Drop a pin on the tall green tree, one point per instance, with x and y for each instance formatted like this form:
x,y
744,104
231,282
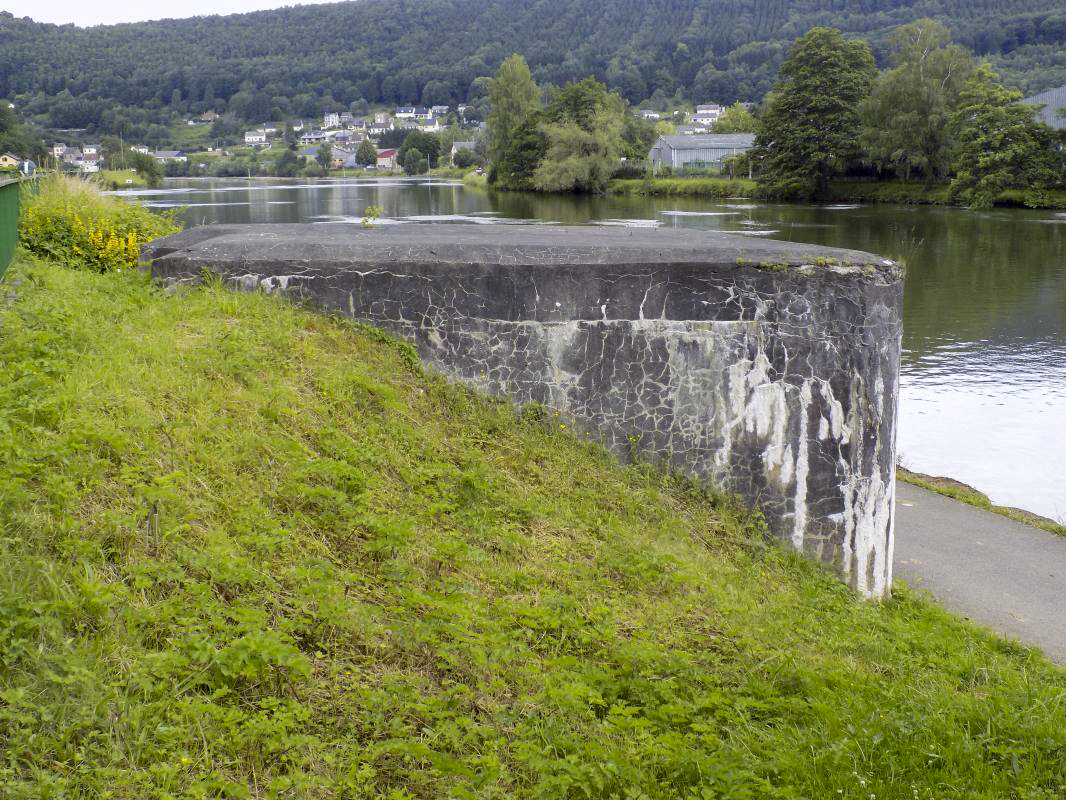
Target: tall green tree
x,y
579,158
1000,144
17,137
427,144
513,97
413,161
736,119
324,156
809,130
907,117
585,135
367,154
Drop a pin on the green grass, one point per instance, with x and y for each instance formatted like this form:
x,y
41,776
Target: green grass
x,y
716,188
250,551
967,494
108,177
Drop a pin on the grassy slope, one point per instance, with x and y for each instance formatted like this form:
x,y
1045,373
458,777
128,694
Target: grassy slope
x,y
248,551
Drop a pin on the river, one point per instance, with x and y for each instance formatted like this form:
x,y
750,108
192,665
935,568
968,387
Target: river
x,y
983,379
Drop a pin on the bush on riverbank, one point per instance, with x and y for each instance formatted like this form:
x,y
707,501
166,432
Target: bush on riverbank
x,y
68,220
713,188
254,551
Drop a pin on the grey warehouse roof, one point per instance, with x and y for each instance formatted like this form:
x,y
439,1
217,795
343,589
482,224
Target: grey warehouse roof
x,y
1052,100
713,140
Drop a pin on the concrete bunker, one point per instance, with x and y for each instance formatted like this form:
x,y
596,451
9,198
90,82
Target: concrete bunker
x,y
769,368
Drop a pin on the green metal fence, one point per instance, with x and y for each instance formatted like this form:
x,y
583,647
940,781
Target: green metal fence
x,y
9,222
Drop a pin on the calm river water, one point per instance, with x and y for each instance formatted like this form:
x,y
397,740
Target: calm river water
x,y
983,393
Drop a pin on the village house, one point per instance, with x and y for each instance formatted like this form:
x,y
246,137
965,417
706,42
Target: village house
x,y
706,115
698,152
457,146
71,156
331,119
404,112
140,148
387,158
255,138
297,125
208,116
382,118
430,124
439,111
167,156
339,156
9,161
650,115
89,162
312,137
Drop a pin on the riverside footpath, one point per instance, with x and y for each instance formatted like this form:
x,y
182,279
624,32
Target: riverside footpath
x,y
997,572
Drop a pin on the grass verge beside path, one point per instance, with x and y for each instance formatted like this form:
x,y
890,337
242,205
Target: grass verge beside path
x,y
249,551
967,494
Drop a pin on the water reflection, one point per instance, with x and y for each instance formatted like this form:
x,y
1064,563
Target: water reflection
x,y
984,370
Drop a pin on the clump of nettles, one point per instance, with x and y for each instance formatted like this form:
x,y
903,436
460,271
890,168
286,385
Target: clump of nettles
x,y
69,220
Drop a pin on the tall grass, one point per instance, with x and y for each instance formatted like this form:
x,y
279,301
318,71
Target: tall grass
x,y
249,551
69,220
714,188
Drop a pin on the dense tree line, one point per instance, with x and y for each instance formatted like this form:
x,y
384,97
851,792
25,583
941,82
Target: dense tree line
x,y
936,114
571,139
297,62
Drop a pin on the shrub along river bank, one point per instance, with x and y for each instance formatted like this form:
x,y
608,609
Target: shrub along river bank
x,y
839,191
253,551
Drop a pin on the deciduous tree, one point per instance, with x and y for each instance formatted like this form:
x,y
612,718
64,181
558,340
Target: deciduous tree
x,y
367,154
907,117
513,97
736,119
1000,144
809,130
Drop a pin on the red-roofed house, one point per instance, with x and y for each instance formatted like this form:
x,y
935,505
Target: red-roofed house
x,y
387,158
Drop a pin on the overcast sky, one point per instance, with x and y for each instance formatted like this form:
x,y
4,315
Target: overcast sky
x,y
108,12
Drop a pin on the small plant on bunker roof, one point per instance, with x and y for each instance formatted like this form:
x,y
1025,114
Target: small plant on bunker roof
x,y
371,214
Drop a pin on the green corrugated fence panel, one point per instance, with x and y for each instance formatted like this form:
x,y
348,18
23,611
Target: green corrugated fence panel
x,y
9,222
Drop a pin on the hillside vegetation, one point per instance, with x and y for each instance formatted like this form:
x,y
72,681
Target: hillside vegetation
x,y
299,61
252,551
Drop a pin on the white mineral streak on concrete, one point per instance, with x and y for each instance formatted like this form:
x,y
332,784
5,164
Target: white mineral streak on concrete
x,y
799,519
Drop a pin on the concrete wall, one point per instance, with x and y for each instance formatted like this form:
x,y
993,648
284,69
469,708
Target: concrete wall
x,y
769,368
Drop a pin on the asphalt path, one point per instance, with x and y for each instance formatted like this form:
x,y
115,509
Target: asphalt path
x,y
997,572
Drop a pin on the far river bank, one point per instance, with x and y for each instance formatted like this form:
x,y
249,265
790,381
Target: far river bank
x,y
842,191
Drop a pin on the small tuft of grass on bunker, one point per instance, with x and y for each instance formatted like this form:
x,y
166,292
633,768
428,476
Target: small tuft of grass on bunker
x,y
251,551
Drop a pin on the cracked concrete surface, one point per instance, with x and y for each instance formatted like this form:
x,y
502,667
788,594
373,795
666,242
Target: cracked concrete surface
x,y
767,367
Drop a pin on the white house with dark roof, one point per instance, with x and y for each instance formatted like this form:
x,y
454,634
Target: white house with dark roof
x,y
699,151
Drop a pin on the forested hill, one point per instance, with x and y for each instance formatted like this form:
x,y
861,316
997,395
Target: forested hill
x,y
296,60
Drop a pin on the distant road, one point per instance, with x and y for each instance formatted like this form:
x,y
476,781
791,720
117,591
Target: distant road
x,y
998,572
